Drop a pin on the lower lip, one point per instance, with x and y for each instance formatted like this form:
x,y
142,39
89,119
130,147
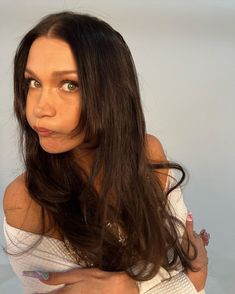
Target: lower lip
x,y
45,133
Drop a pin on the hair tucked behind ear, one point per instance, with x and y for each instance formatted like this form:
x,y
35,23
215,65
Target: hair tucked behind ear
x,y
126,220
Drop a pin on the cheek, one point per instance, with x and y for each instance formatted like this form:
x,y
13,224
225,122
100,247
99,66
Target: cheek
x,y
71,118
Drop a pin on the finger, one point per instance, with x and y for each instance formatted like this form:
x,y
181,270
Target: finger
x,y
68,277
196,235
57,278
74,276
189,225
205,237
205,234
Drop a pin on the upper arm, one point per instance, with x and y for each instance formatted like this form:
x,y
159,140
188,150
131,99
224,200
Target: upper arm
x,y
15,195
156,154
155,151
18,206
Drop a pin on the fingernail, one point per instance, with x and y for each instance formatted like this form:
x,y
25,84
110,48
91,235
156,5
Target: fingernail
x,y
36,275
206,242
190,217
204,234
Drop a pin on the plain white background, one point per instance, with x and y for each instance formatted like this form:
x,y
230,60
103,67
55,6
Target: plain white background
x,y
185,57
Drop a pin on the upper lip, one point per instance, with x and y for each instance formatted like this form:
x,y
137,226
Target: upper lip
x,y
41,130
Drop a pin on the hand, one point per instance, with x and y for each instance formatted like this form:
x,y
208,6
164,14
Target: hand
x,y
198,278
92,281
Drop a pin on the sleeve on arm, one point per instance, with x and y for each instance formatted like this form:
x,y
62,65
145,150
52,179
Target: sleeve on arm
x,y
178,284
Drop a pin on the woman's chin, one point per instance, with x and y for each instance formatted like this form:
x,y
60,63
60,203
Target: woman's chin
x,y
58,145
53,149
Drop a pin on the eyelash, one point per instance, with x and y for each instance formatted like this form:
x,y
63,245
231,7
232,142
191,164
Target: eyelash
x,y
74,83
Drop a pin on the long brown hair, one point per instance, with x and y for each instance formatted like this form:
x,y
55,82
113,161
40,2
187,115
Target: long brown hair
x,y
127,223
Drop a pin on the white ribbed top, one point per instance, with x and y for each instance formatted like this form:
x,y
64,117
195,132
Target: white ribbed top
x,y
52,255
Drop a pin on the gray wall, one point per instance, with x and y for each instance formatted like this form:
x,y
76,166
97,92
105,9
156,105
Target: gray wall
x,y
184,54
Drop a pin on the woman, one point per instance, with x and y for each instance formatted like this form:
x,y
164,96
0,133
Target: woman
x,y
97,192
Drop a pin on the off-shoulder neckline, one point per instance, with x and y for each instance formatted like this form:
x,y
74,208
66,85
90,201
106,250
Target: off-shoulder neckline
x,y
30,233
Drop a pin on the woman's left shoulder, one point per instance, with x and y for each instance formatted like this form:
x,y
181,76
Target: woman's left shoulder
x,y
155,151
156,154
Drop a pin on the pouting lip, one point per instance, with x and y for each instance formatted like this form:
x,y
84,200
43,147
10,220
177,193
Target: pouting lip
x,y
42,130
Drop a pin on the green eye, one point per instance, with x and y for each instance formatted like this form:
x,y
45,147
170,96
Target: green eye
x,y
33,83
70,86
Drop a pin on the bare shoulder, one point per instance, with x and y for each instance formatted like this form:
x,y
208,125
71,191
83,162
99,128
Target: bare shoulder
x,y
16,195
156,154
155,151
19,208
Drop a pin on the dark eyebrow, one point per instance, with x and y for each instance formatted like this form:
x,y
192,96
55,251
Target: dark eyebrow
x,y
54,73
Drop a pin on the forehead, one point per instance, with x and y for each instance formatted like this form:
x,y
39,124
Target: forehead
x,y
50,54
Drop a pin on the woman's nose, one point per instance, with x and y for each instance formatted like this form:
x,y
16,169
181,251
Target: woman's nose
x,y
44,106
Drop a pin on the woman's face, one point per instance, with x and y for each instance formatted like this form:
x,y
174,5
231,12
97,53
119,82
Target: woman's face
x,y
53,103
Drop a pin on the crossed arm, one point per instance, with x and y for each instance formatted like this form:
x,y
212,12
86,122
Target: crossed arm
x,y
94,281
